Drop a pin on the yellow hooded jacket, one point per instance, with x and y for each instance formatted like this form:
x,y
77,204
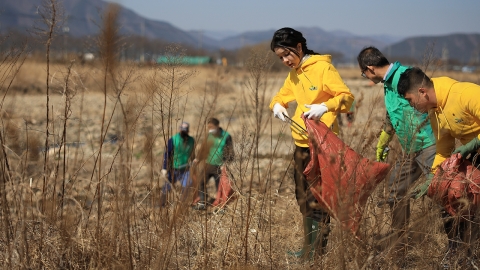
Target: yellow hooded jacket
x,y
457,115
316,81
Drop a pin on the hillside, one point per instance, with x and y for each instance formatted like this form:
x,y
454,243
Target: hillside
x,y
83,17
461,48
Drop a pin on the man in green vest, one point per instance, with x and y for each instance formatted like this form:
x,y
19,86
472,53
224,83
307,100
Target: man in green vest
x,y
218,150
413,132
176,161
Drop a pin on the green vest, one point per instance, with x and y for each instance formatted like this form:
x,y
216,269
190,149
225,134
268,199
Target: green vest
x,y
215,157
181,151
405,119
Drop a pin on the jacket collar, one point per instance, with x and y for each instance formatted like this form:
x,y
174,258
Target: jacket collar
x,y
442,86
392,70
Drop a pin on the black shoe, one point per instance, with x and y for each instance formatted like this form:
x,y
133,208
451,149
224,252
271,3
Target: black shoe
x,y
199,206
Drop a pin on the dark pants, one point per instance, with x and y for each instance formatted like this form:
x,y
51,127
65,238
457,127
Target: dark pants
x,y
209,171
406,171
305,198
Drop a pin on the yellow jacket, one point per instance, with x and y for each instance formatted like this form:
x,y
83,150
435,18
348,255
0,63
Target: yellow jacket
x,y
457,115
316,81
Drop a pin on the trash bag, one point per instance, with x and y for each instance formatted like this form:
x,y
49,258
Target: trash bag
x,y
456,186
225,193
340,179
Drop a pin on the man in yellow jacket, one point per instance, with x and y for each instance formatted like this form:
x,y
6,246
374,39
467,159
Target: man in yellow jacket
x,y
320,93
454,109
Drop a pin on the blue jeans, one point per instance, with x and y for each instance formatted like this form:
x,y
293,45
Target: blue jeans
x,y
182,175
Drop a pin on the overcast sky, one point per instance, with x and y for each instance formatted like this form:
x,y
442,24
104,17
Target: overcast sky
x,y
368,17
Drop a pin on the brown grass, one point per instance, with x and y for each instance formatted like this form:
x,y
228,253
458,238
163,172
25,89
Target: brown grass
x,y
92,202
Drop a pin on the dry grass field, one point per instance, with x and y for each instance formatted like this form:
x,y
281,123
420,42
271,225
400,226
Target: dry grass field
x,y
90,199
82,148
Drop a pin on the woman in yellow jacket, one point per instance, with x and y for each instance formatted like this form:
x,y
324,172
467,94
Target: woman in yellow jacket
x,y
320,93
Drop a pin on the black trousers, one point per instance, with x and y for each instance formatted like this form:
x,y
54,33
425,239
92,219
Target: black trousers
x,y
209,171
305,198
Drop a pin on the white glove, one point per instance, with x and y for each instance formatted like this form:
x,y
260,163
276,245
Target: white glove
x,y
278,111
164,173
316,110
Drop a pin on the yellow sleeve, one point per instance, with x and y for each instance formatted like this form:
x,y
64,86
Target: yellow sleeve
x,y
445,146
333,84
284,96
470,95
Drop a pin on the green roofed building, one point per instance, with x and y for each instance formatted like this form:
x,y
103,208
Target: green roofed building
x,y
185,60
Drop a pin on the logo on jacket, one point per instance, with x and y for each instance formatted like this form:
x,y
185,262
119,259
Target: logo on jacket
x,y
313,88
458,120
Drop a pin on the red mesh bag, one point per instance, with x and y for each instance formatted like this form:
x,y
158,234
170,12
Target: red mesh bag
x,y
225,192
340,179
456,186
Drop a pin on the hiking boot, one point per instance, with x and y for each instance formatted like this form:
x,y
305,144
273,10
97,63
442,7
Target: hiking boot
x,y
320,232
199,206
315,239
307,236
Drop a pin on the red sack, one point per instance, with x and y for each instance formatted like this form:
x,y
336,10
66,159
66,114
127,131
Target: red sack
x,y
340,179
225,191
456,186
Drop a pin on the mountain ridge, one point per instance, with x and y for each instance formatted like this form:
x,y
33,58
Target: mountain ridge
x,y
83,18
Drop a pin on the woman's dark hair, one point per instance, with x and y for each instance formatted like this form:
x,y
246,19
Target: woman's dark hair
x,y
288,38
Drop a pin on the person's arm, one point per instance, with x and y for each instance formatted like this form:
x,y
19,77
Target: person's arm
x,y
284,96
192,153
342,98
384,139
445,145
387,125
168,155
472,106
228,153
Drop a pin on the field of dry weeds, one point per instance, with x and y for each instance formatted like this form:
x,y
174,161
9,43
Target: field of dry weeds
x,y
81,181
82,149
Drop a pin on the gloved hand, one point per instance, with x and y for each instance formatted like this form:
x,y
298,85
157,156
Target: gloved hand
x,y
422,189
278,111
383,141
468,148
316,110
164,173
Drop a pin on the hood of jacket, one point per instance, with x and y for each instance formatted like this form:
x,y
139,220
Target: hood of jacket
x,y
442,85
312,60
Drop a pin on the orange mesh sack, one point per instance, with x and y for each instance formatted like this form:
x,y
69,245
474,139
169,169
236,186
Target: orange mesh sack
x,y
456,186
340,179
225,193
